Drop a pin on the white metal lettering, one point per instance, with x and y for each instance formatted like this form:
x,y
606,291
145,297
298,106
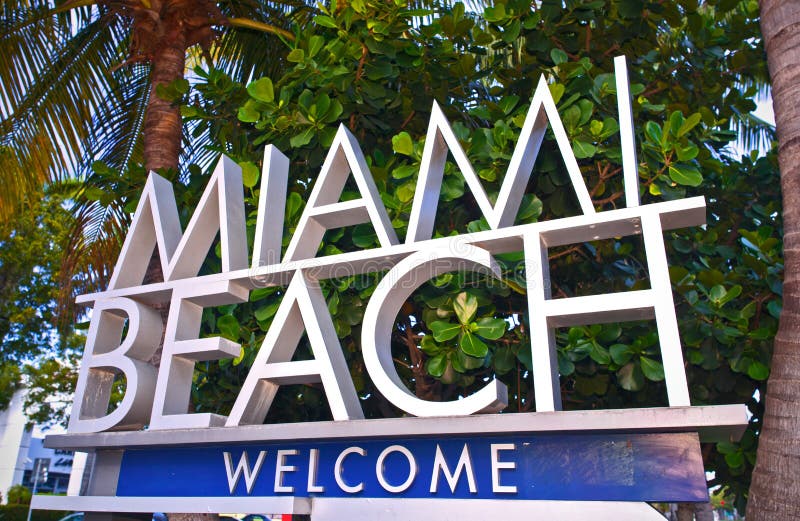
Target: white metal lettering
x,y
313,464
498,465
243,468
379,322
106,355
324,211
337,470
380,467
303,307
464,465
281,468
155,224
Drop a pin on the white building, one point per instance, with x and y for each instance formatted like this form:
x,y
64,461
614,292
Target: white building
x,y
19,450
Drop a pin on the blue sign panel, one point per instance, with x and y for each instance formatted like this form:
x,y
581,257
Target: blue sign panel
x,y
580,467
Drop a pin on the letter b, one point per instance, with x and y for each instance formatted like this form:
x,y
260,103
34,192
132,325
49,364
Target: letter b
x,y
107,355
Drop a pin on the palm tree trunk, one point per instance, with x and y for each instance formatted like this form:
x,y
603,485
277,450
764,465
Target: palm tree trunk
x,y
162,125
162,139
775,488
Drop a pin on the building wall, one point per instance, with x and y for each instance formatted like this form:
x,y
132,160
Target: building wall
x,y
19,449
60,466
15,441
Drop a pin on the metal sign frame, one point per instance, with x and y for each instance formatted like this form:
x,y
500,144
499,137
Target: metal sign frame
x,y
159,398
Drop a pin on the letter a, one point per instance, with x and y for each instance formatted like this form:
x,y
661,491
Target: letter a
x,y
156,224
303,307
324,211
441,138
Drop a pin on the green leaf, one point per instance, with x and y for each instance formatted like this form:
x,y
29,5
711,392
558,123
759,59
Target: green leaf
x,y
238,360
630,377
734,459
293,204
495,14
731,294
774,307
403,171
302,138
364,236
652,369
583,150
491,328
405,192
689,124
758,371
250,174
557,91
558,56
229,327
325,21
473,346
266,312
296,56
248,114
504,360
465,361
653,131
717,293
465,305
444,331
685,174
429,346
687,153
600,354
315,44
565,365
262,90
620,353
402,144
436,365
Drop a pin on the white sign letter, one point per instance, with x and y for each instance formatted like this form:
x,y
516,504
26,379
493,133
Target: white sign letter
x,y
313,463
337,470
441,138
412,469
106,355
324,211
156,223
498,465
464,464
303,307
379,322
243,467
182,349
271,208
281,468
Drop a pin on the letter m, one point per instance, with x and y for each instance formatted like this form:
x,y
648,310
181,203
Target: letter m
x,y
156,225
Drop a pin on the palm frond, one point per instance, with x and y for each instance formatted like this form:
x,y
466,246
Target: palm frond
x,y
233,53
56,81
754,133
117,140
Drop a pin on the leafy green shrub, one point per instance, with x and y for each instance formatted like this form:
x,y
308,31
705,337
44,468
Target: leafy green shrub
x,y
19,495
17,512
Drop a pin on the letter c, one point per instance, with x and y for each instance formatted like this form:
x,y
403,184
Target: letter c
x,y
379,321
337,470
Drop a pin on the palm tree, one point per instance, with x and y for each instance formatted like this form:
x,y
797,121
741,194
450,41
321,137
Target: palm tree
x,y
775,488
80,79
80,82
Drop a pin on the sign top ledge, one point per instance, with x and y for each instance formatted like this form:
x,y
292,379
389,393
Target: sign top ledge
x,y
712,422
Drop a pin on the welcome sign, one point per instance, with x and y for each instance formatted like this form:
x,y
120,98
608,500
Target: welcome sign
x,y
186,461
